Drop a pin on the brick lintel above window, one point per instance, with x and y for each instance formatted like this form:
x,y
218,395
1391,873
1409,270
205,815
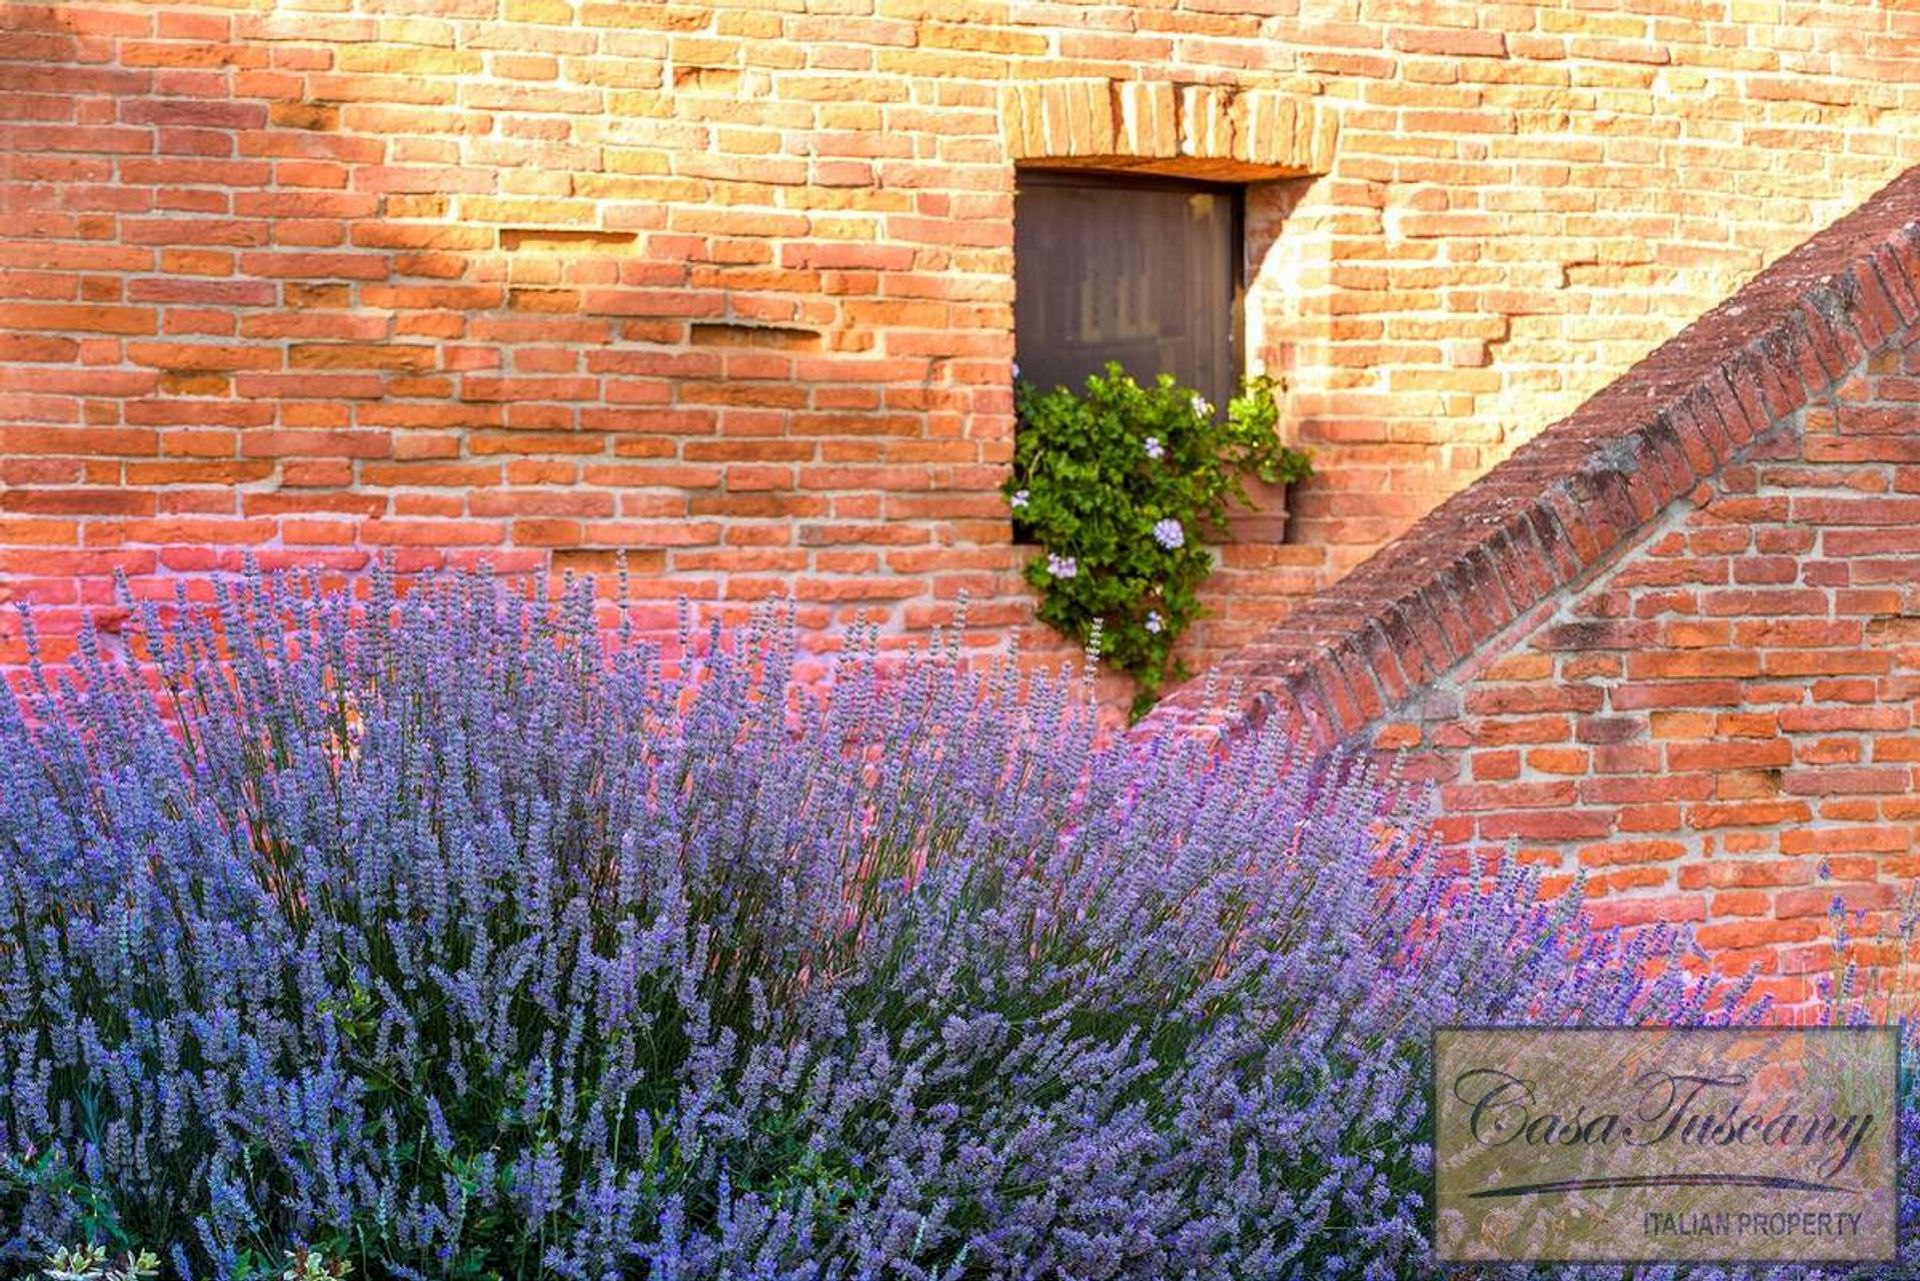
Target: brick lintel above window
x,y
1217,133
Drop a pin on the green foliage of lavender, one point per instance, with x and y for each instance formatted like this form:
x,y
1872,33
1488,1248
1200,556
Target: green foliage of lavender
x,y
432,934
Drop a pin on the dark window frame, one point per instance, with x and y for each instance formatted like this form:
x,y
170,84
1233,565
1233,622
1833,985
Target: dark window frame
x,y
1027,177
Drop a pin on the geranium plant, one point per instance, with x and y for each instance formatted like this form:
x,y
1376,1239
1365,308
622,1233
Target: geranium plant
x,y
1121,484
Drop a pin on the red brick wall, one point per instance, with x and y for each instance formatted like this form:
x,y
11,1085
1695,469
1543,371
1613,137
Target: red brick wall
x,y
1729,712
728,287
1673,644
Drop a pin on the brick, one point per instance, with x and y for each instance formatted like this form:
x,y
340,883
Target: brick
x,y
1748,814
1722,755
1608,729
1734,936
1530,729
1494,766
1749,873
1615,853
1494,699
1464,798
1818,901
1834,840
1836,781
1671,910
1557,825
44,318
1684,694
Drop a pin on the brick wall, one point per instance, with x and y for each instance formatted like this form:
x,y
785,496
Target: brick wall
x,y
1674,643
727,287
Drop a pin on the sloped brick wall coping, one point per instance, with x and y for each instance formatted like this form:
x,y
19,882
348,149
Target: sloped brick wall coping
x,y
1566,502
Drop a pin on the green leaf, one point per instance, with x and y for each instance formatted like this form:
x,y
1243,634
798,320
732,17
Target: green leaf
x,y
1095,493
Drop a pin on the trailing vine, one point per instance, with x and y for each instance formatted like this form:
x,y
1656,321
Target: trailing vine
x,y
1120,484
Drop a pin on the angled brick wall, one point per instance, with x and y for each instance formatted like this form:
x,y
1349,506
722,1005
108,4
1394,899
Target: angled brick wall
x,y
728,287
1674,642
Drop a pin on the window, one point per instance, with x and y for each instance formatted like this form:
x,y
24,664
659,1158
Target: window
x,y
1143,270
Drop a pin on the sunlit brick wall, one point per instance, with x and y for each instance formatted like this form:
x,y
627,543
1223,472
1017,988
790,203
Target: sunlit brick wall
x,y
1721,731
728,287
1672,645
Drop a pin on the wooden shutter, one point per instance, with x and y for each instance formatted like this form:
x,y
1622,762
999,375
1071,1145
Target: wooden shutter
x,y
1145,271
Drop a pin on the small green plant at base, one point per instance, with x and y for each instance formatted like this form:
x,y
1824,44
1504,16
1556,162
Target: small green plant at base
x,y
90,1263
313,1265
1119,483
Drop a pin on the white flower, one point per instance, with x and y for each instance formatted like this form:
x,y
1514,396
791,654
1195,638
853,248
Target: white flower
x,y
1016,371
1061,566
1155,450
1153,623
1019,499
1169,534
1201,407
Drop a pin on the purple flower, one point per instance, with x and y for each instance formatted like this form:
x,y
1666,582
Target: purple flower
x,y
1062,566
1154,449
587,963
1153,623
1020,499
1170,534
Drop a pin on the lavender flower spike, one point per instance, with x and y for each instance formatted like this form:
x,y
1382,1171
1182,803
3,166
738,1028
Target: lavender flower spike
x,y
426,929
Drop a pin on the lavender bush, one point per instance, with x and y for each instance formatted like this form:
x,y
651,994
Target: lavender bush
x,y
1883,994
430,935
